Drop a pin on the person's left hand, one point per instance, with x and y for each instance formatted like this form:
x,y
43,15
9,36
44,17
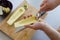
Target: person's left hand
x,y
36,26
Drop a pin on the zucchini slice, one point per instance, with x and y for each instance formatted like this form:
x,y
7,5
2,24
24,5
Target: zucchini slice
x,y
16,15
25,21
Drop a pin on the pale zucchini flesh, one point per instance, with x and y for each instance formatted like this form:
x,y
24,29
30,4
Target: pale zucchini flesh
x,y
16,15
25,21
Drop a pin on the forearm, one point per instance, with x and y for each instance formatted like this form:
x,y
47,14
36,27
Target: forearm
x,y
52,33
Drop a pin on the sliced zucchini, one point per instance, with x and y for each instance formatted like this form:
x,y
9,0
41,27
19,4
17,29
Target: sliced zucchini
x,y
16,15
25,21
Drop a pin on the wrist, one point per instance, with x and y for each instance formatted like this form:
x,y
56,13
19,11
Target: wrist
x,y
45,27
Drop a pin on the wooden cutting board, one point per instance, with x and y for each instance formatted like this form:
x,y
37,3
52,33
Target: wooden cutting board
x,y
26,34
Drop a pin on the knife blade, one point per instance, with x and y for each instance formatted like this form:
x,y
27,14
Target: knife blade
x,y
38,15
19,29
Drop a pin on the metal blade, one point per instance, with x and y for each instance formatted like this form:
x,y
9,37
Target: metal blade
x,y
38,15
19,29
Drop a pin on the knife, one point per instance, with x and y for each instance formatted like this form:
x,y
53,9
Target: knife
x,y
38,15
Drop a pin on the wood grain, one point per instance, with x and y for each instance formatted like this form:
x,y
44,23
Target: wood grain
x,y
26,34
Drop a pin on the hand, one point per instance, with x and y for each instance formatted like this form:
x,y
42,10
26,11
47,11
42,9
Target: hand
x,y
37,25
48,5
41,24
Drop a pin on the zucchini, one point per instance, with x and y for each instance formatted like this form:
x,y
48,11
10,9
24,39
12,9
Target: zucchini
x,y
7,10
25,21
16,15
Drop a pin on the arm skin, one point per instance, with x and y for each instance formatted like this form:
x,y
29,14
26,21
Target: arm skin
x,y
52,33
47,6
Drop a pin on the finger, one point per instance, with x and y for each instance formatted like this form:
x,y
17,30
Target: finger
x,y
42,4
29,26
45,1
44,7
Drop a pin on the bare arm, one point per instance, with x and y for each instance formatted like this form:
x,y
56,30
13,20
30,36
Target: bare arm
x,y
52,33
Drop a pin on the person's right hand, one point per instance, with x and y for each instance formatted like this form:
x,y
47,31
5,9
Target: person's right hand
x,y
48,5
